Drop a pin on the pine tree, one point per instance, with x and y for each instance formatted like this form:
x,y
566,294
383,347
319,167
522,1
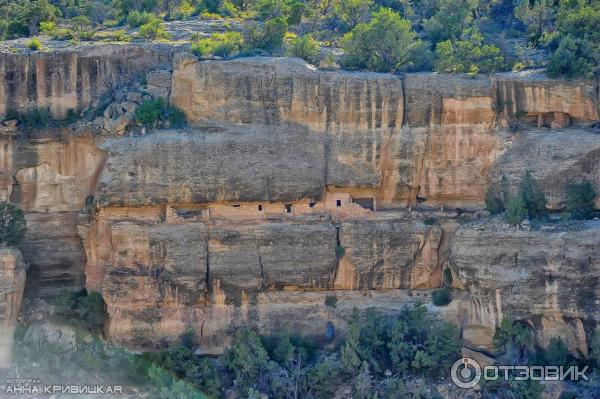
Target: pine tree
x,y
534,198
580,200
516,210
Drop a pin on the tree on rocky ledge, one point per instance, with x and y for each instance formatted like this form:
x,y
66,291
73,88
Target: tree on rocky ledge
x,y
12,224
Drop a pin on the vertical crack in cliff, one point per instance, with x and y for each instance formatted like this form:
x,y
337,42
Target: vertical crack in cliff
x,y
327,153
207,285
404,107
337,256
419,175
262,268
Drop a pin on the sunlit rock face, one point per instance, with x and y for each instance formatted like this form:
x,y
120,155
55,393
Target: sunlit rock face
x,y
66,79
12,284
547,102
290,187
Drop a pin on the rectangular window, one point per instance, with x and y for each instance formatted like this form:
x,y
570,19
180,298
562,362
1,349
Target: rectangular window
x,y
260,208
338,203
288,208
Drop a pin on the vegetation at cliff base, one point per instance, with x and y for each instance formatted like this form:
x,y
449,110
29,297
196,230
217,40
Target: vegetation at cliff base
x,y
81,308
12,224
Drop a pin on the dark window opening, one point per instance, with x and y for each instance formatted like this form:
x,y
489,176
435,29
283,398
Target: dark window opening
x,y
338,203
260,207
311,204
288,208
236,205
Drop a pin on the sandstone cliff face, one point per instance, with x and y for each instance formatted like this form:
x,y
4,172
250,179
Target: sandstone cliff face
x,y
286,189
12,284
157,277
49,174
548,279
64,80
554,158
546,102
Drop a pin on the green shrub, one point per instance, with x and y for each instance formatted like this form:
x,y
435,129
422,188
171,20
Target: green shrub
x,y
580,200
47,26
340,251
468,55
154,29
441,296
331,301
273,33
121,36
227,9
450,19
534,198
34,44
12,224
151,112
410,343
246,357
430,220
322,377
496,198
447,277
61,34
269,9
224,45
81,308
573,58
387,43
135,19
35,118
556,353
516,210
305,47
296,12
511,336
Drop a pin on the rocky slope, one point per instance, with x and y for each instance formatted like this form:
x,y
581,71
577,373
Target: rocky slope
x,y
291,185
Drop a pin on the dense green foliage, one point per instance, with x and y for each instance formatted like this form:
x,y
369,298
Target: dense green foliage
x,y
386,43
528,202
12,224
466,36
580,200
305,47
441,296
225,45
516,210
152,112
81,308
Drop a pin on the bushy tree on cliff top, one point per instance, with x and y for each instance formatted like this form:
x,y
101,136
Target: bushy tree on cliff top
x,y
385,44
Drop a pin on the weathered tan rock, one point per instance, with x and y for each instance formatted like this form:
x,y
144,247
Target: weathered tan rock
x,y
545,278
159,83
545,101
555,159
12,284
73,79
269,91
384,254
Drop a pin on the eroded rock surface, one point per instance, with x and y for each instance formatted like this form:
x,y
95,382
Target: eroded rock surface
x,y
548,279
290,186
12,284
